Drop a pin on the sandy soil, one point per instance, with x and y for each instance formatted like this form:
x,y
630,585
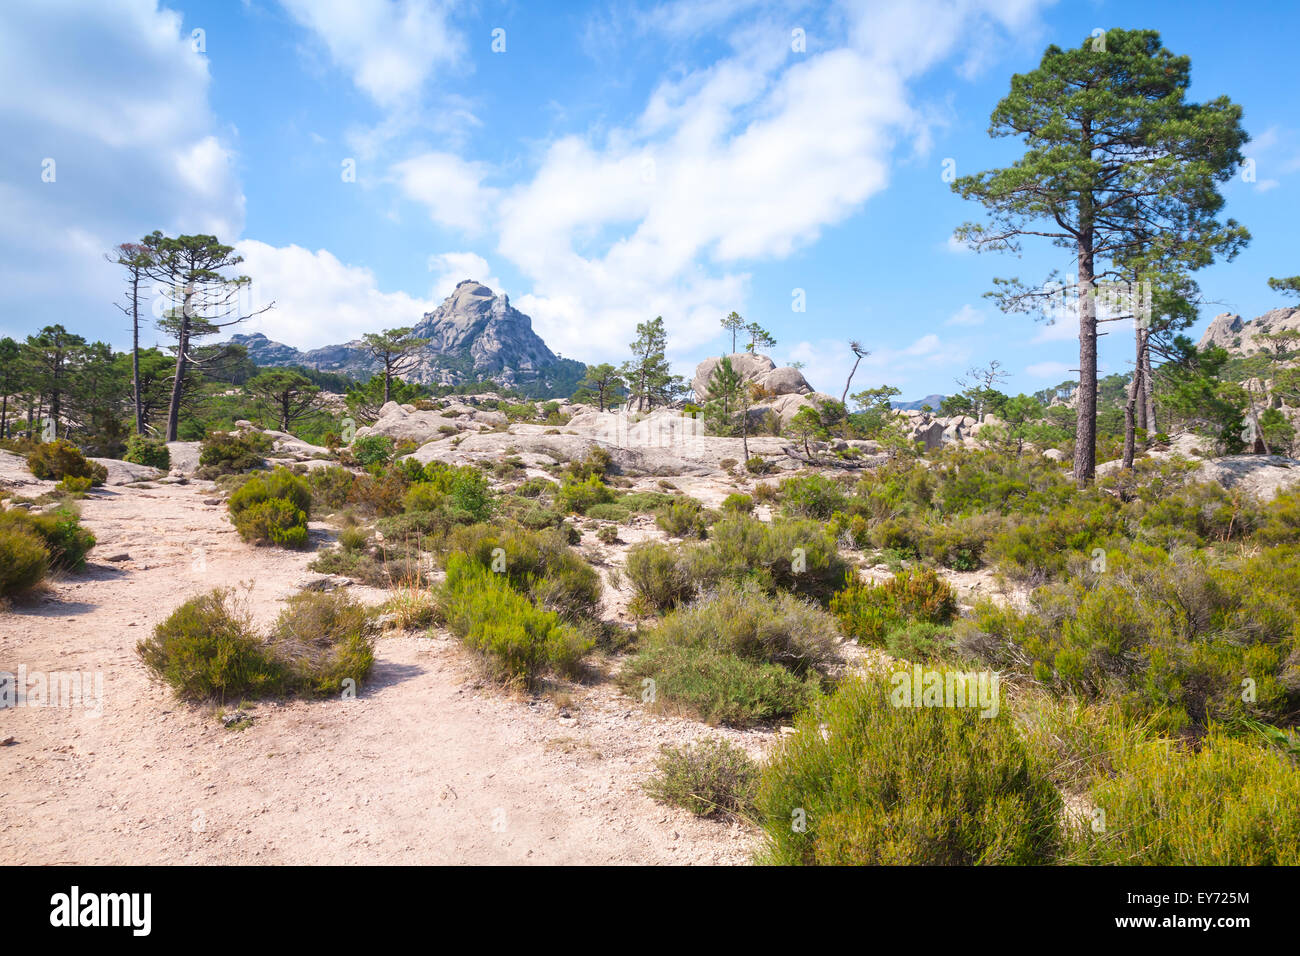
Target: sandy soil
x,y
427,765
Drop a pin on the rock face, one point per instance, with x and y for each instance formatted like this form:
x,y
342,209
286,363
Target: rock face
x,y
1229,331
789,391
475,334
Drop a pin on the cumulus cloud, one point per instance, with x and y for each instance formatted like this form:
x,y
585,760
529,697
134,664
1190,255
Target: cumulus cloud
x,y
449,187
318,299
389,47
110,103
748,159
452,268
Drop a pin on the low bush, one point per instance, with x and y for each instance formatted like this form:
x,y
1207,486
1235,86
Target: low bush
x,y
707,777
736,656
683,518
738,504
208,649
370,450
657,574
518,640
66,542
919,641
607,534
611,511
874,784
55,460
71,485
272,508
1170,634
381,495
812,496
353,539
786,554
326,641
231,453
868,611
143,450
576,495
331,487
1228,803
24,560
540,564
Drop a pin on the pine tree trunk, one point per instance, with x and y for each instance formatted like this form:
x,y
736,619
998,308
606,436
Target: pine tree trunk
x,y
135,351
178,382
1148,386
1085,442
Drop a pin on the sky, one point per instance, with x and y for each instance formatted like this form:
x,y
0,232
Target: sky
x,y
601,163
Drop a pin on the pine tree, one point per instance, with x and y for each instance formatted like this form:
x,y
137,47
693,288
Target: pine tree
x,y
1116,158
647,374
398,349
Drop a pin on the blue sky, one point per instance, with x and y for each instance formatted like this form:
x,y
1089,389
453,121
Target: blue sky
x,y
611,163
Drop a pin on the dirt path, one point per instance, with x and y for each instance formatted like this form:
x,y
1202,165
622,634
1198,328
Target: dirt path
x,y
426,766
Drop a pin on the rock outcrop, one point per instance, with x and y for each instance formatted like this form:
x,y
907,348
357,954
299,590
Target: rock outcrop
x,y
1231,332
475,334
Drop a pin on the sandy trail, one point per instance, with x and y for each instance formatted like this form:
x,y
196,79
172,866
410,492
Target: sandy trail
x,y
427,765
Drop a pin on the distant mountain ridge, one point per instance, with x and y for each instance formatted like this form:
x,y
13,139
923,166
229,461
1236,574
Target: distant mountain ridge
x,y
1229,331
475,334
931,400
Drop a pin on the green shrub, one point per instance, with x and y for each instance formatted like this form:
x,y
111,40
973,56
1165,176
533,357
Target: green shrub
x,y
919,641
812,496
787,554
330,487
759,466
380,494
607,534
716,686
540,564
230,453
144,450
656,573
1038,548
868,611
707,777
1167,633
24,560
207,649
71,485
739,504
536,488
55,460
877,784
65,540
682,518
353,539
272,508
595,464
1228,803
736,656
577,495
518,640
325,640
612,511
373,449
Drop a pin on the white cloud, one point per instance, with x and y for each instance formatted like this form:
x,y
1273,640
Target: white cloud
x,y
319,300
450,188
748,159
389,47
966,315
116,97
453,268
